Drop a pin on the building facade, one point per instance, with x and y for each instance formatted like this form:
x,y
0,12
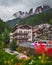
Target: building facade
x,y
26,33
22,33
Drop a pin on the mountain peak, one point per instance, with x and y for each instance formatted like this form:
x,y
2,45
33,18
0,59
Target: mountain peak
x,y
38,10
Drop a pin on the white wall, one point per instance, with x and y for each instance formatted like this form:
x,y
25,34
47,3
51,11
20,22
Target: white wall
x,y
30,34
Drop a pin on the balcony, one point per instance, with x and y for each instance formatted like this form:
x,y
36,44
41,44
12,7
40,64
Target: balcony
x,y
18,38
20,34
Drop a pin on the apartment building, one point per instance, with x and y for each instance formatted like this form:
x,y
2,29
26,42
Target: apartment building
x,y
36,33
22,33
26,33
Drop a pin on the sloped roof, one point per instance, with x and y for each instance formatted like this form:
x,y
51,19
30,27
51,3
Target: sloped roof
x,y
22,27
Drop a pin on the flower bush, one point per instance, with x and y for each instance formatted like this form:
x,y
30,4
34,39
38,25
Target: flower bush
x,y
49,52
43,56
42,49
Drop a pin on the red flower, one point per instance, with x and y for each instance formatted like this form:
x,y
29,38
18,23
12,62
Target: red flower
x,y
50,42
40,49
49,52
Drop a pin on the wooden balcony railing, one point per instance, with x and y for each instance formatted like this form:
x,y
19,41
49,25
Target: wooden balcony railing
x,y
25,38
20,34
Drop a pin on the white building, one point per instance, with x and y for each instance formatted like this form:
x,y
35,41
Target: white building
x,y
22,33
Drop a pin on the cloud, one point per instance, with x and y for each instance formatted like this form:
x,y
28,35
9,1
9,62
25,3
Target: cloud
x,y
9,2
16,2
6,13
49,2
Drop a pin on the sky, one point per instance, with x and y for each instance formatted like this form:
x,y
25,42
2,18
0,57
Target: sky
x,y
9,7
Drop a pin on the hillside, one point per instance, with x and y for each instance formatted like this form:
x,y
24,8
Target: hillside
x,y
12,23
3,25
45,17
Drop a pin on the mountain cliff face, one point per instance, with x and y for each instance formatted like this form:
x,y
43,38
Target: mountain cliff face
x,y
44,17
23,15
38,10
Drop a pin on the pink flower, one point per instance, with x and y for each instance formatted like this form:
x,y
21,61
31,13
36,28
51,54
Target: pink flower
x,y
35,44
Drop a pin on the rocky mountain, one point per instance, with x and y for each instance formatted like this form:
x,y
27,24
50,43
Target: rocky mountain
x,y
33,19
20,14
38,10
45,17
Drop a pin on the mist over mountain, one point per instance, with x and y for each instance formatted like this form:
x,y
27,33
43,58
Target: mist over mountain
x,y
44,17
9,7
48,2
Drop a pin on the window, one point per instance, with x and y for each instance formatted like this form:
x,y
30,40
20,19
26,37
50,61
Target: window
x,y
20,31
25,31
29,31
29,36
22,36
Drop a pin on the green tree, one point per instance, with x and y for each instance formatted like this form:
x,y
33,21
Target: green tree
x,y
13,45
0,38
2,44
6,37
50,21
3,25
